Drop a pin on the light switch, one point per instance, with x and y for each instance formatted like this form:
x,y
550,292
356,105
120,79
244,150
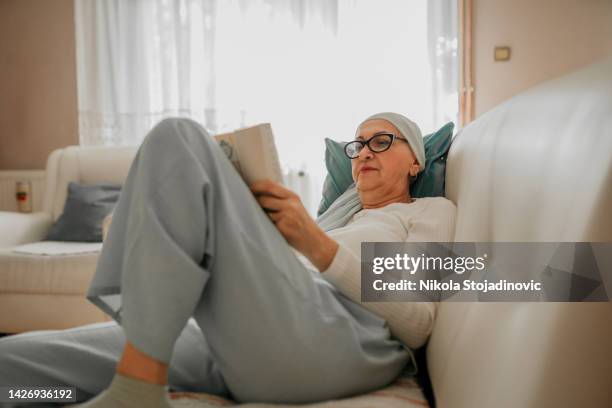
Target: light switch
x,y
502,53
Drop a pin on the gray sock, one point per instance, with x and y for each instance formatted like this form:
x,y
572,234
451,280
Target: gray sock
x,y
127,392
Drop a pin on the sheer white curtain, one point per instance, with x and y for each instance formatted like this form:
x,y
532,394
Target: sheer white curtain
x,y
312,68
141,61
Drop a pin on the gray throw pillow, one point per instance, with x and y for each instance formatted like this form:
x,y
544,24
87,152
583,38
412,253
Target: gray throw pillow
x,y
86,207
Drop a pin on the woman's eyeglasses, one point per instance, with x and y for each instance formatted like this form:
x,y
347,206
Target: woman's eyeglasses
x,y
377,144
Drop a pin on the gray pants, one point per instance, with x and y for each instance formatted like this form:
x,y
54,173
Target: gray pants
x,y
188,239
85,357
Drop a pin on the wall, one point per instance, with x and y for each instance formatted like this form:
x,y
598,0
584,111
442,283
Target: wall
x,y
548,38
38,99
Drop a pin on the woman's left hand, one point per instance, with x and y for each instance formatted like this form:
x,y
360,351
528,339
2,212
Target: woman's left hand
x,y
287,212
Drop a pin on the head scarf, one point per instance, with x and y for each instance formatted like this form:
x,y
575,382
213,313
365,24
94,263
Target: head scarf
x,y
409,130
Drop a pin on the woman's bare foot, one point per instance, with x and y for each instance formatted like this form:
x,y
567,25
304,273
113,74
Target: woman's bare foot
x,y
136,364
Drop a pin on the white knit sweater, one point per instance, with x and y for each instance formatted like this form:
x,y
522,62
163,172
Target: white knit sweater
x,y
424,220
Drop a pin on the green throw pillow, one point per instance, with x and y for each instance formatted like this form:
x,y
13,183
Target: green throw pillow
x,y
429,182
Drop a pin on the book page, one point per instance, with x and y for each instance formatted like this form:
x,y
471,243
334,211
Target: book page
x,y
253,152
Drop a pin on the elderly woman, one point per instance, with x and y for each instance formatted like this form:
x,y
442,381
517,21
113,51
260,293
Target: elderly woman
x,y
210,294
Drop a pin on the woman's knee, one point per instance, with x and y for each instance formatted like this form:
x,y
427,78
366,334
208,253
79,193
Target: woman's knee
x,y
172,133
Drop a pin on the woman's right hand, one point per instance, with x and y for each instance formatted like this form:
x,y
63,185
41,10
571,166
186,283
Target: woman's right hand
x,y
287,212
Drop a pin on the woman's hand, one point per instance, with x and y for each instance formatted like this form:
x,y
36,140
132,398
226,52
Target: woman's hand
x,y
287,212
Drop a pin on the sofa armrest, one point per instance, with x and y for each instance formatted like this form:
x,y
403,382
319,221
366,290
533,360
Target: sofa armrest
x,y
18,228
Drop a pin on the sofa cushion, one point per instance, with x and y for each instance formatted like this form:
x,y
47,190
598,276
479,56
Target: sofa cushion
x,y
402,393
84,211
57,248
58,274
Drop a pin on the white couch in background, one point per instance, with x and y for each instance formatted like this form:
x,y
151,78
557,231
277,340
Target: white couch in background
x,y
42,291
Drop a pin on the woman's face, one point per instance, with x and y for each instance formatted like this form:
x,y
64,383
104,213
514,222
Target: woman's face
x,y
385,171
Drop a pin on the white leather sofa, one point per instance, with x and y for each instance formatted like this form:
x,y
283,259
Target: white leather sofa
x,y
47,291
536,168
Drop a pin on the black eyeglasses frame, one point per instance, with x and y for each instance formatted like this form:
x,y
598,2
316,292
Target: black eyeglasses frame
x,y
364,143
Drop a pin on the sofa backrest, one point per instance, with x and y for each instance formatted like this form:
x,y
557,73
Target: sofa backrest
x,y
83,165
536,168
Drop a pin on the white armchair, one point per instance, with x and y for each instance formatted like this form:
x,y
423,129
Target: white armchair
x,y
48,291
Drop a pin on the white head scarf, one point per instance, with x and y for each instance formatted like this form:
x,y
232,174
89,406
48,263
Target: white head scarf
x,y
409,130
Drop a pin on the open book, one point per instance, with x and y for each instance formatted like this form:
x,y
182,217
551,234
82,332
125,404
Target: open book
x,y
253,152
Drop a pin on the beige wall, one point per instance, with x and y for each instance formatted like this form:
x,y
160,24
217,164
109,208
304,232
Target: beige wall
x,y
548,38
38,105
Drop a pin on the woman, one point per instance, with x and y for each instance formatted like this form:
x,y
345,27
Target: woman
x,y
188,239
